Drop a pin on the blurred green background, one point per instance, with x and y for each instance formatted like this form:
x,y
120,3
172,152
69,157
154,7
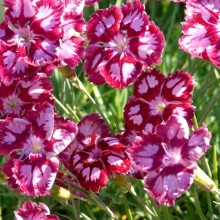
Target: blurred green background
x,y
75,104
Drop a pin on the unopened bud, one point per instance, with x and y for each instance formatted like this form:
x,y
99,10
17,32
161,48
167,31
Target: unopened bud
x,y
61,193
204,181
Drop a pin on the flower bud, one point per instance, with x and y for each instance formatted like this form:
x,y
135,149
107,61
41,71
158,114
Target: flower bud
x,y
204,181
61,193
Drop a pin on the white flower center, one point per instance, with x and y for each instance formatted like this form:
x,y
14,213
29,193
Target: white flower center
x,y
173,156
119,43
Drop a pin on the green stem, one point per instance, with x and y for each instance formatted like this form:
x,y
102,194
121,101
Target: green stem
x,y
196,126
204,162
197,204
166,213
206,166
90,212
101,205
217,75
62,106
75,210
127,209
141,203
173,19
76,118
209,202
78,84
209,107
85,217
215,165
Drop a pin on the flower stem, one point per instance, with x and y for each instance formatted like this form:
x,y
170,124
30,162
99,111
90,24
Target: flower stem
x,y
128,211
62,106
101,205
141,203
204,162
206,166
197,203
210,105
166,213
79,85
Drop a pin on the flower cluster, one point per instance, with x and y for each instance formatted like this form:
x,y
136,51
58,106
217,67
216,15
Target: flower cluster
x,y
37,36
157,121
123,44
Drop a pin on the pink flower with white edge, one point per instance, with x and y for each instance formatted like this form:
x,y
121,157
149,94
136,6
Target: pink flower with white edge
x,y
122,41
33,38
33,144
18,96
32,211
201,30
95,154
33,177
155,99
93,162
169,158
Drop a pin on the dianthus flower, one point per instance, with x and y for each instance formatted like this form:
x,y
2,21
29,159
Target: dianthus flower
x,y
156,98
31,211
201,30
34,37
95,154
169,158
33,142
18,96
122,41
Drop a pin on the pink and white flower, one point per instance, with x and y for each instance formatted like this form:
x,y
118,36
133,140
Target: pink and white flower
x,y
31,211
95,154
122,41
33,37
169,158
33,177
33,144
18,96
201,30
156,98
93,162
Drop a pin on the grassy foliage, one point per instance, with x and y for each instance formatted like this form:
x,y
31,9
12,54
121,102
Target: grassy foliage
x,y
128,200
